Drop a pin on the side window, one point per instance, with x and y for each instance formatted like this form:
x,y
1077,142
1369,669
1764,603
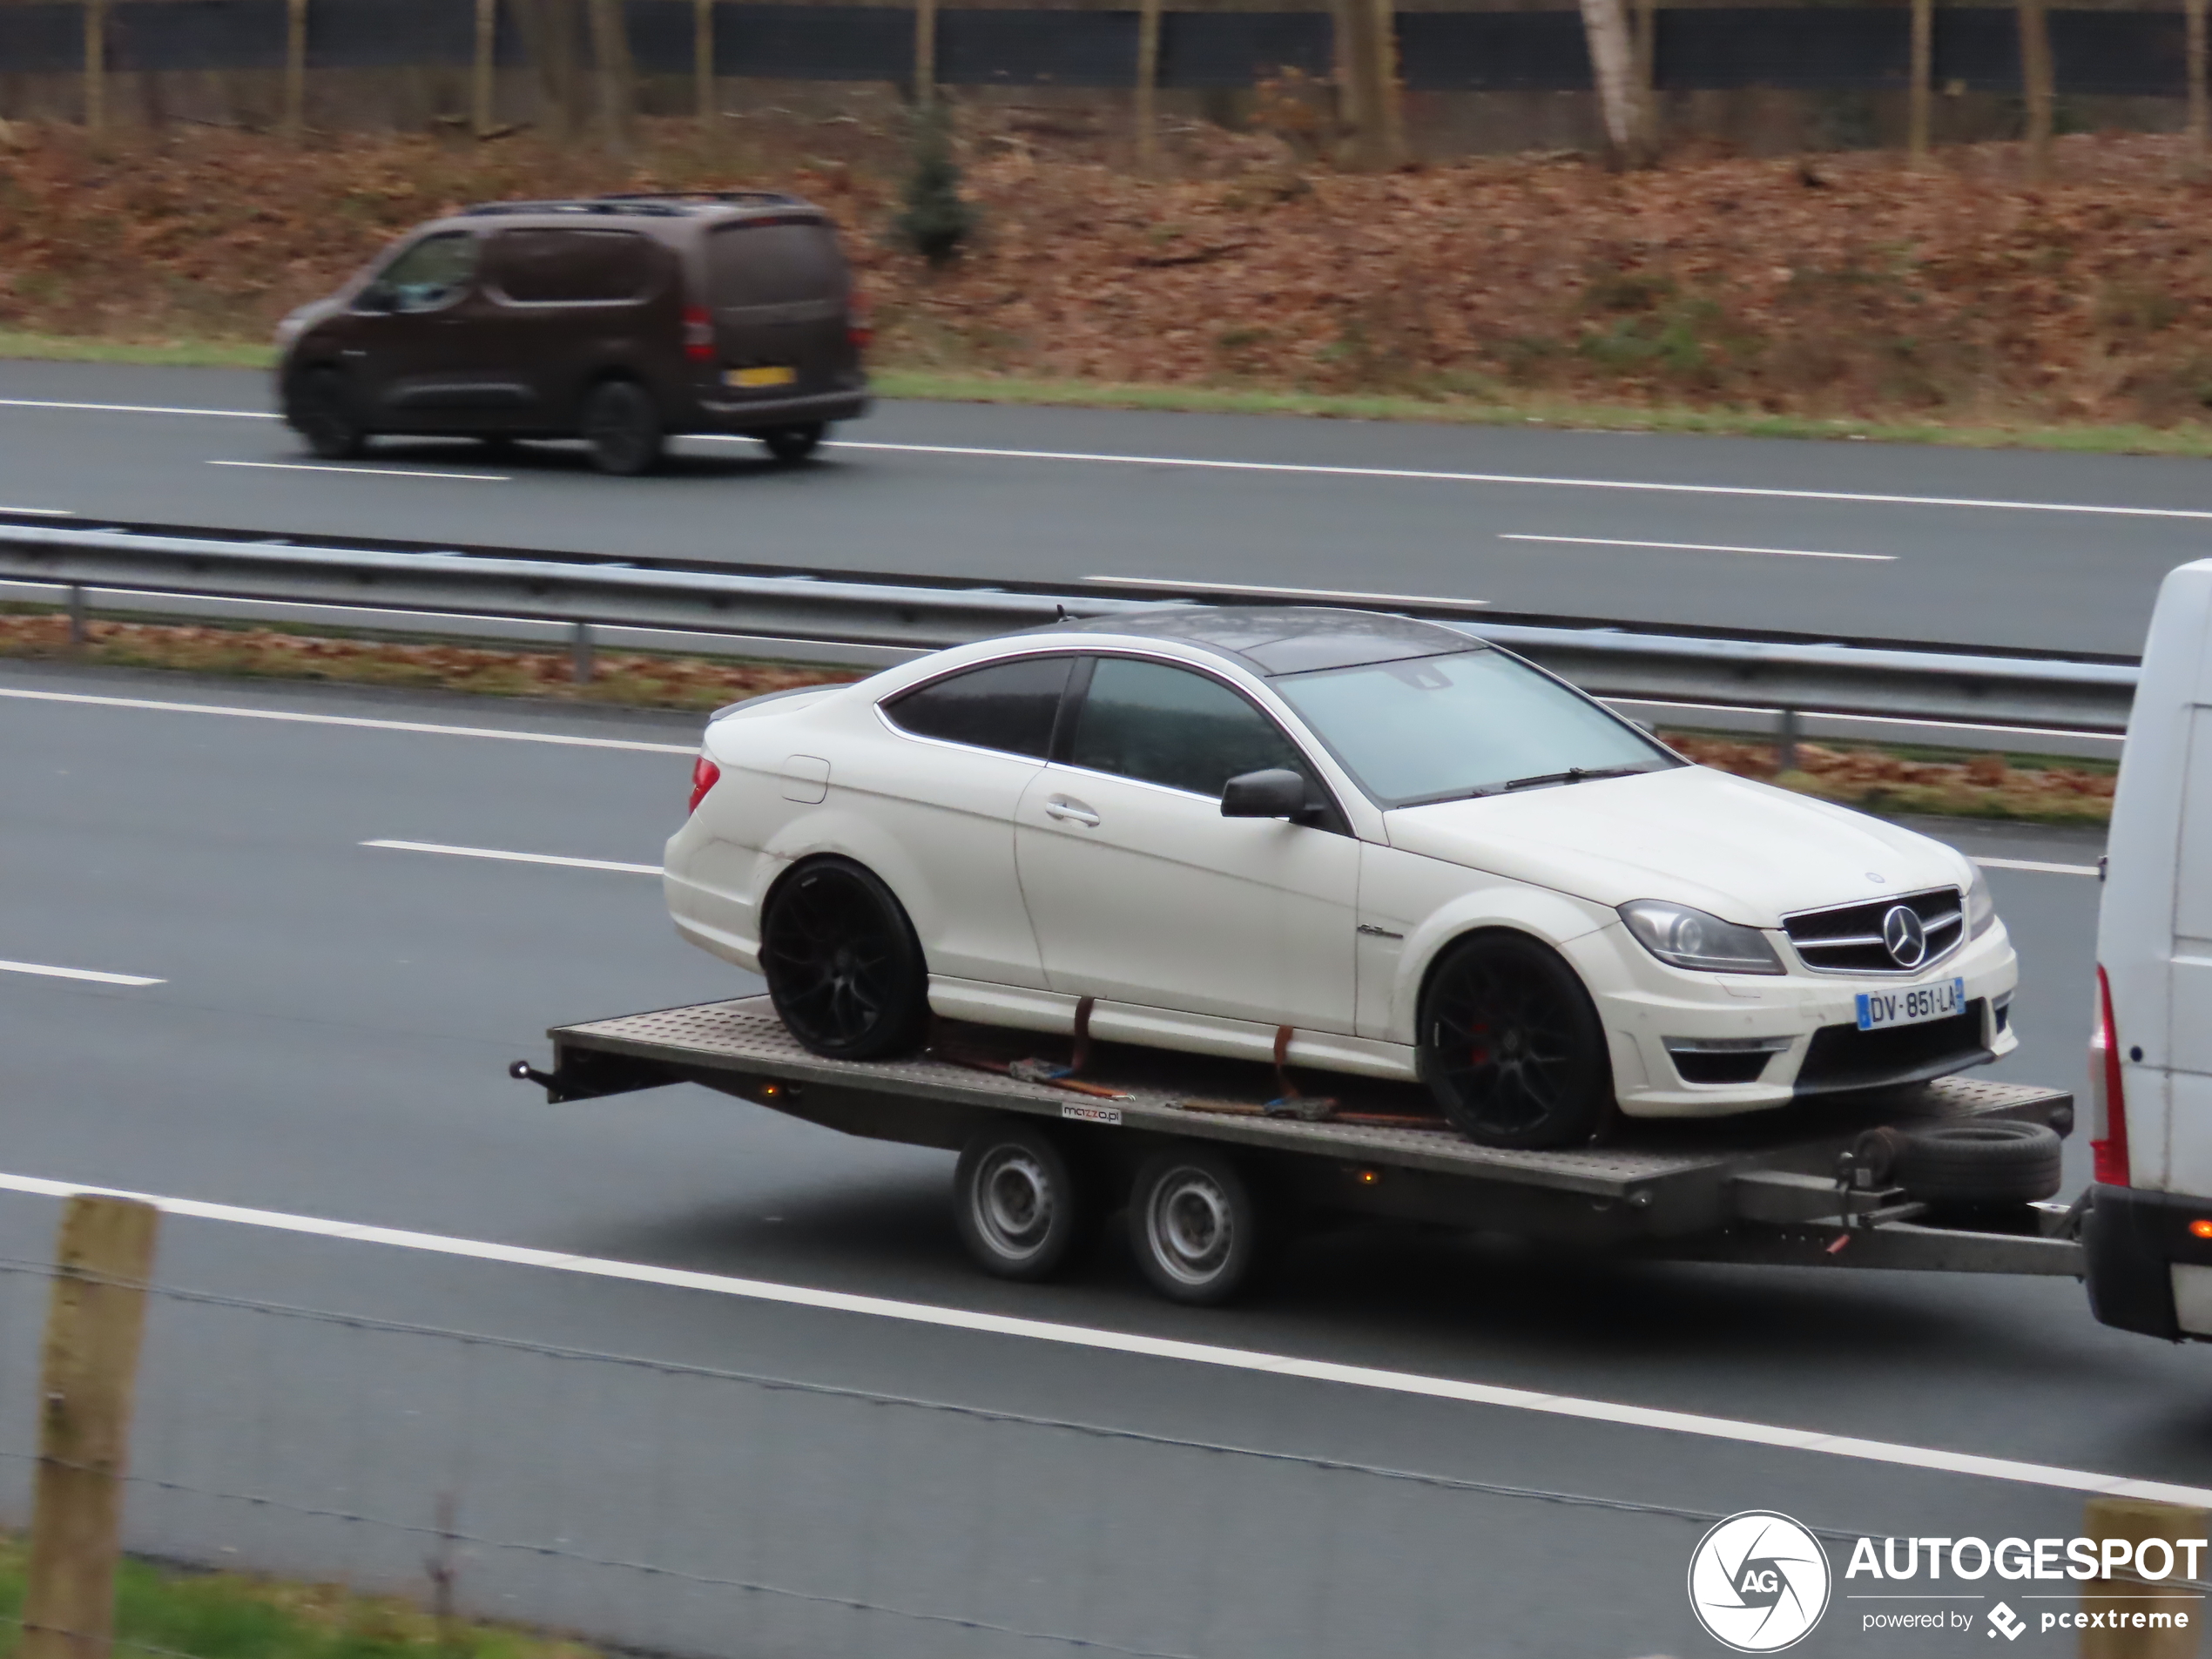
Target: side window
x,y
571,266
1008,706
775,265
433,272
1168,726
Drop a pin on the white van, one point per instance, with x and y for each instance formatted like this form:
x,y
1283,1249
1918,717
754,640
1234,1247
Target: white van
x,y
2148,1231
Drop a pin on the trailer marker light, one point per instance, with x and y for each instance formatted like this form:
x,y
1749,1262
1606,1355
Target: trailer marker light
x,y
2201,1228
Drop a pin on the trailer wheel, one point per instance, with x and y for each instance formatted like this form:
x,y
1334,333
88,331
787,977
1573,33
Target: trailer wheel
x,y
843,965
1195,1226
1016,1202
1511,1047
1979,1166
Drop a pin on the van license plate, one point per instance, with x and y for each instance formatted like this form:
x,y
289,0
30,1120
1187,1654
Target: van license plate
x,y
753,379
1880,1009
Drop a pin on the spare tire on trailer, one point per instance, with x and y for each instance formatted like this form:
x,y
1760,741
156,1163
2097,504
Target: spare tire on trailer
x,y
1979,1166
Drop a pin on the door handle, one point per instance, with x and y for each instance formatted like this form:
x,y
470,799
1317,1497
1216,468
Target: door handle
x,y
1059,807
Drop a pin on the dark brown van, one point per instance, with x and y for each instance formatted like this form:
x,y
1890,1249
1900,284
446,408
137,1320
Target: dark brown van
x,y
622,320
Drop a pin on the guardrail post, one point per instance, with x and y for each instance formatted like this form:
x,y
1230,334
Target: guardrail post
x,y
580,663
86,1385
1785,746
75,615
2136,1521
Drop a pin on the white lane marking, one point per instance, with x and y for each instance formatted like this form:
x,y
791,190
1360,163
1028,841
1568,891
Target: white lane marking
x,y
519,858
1078,1336
133,409
1303,593
353,720
2038,867
1535,480
78,973
369,472
1699,547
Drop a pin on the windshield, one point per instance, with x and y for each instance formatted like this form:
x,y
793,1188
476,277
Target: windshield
x,y
1442,728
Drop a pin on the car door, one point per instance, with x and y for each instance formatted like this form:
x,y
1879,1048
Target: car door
x,y
939,779
1140,890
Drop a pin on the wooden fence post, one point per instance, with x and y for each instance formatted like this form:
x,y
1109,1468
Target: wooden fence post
x,y
925,53
1647,77
2200,105
615,73
2137,1519
482,85
1148,81
1923,93
95,65
1389,105
2037,82
89,1375
295,68
702,60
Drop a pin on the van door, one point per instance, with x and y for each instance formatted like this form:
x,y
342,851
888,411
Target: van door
x,y
566,303
781,296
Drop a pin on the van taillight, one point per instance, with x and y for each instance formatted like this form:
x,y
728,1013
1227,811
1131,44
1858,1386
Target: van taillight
x,y
859,321
698,334
2108,1098
704,775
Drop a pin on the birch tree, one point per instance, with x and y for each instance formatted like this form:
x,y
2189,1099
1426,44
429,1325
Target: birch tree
x,y
1613,70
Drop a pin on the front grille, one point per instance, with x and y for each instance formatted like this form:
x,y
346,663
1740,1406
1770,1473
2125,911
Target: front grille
x,y
1848,939
1842,1057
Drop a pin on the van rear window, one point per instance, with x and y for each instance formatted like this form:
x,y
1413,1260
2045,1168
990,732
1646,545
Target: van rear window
x,y
571,266
775,264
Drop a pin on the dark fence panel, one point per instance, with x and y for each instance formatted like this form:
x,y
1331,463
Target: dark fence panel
x,y
2132,53
1493,51
393,34
1783,47
815,43
197,34
1241,48
660,35
1036,48
39,39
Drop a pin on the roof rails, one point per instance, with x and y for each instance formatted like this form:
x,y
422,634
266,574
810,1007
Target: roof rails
x,y
488,209
775,198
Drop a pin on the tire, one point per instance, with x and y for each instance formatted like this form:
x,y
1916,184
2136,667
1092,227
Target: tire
x,y
326,412
790,444
1511,1046
1975,1166
1195,1226
1017,1202
623,429
843,965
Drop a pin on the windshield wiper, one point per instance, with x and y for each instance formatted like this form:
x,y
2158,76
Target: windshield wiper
x,y
1572,775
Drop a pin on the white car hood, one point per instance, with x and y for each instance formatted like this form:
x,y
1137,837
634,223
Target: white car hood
x,y
1746,851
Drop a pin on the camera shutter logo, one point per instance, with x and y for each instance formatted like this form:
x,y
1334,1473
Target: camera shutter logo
x,y
1758,1582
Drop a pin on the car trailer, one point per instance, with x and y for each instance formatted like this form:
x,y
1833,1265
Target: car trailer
x,y
1211,1157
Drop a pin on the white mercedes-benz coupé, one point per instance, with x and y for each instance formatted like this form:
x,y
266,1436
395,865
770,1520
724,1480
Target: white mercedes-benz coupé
x,y
1421,856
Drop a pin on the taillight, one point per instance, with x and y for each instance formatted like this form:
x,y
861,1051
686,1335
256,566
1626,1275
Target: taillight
x,y
698,334
2107,1099
860,320
704,775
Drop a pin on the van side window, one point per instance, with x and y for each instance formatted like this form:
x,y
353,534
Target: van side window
x,y
562,266
775,265
435,272
1007,706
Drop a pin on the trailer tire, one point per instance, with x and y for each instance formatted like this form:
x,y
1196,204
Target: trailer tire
x,y
1511,1046
1195,1225
1018,1202
1979,1166
843,965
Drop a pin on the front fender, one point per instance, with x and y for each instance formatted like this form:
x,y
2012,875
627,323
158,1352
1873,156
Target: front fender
x,y
1553,918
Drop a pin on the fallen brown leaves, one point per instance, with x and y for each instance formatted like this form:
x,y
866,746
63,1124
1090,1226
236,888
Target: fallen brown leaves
x,y
1843,285
1985,787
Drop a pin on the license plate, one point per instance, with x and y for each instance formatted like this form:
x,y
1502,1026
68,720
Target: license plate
x,y
753,379
1879,1009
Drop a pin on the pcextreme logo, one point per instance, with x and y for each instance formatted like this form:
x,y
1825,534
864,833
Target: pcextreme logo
x,y
1758,1582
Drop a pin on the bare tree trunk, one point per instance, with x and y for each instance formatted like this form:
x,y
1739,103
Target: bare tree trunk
x,y
1647,37
1147,81
703,61
482,85
295,69
2199,103
95,65
925,53
2036,80
1923,81
550,36
616,75
1367,81
1605,24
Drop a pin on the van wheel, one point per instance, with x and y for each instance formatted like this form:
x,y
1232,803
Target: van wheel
x,y
1511,1047
843,965
1016,1202
793,443
326,412
1195,1226
622,427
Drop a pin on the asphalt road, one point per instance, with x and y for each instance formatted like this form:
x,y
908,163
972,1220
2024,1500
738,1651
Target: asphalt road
x,y
329,1039
2017,549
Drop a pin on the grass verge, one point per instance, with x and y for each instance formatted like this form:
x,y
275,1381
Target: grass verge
x,y
225,1616
933,386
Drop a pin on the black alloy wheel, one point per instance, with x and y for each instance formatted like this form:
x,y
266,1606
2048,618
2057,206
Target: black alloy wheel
x,y
1511,1046
327,414
793,443
842,963
1017,1200
622,427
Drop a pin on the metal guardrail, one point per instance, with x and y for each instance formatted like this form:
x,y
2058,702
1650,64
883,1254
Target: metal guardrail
x,y
1608,662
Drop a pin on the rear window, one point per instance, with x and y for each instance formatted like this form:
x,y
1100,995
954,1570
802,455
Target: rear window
x,y
1008,706
571,266
775,264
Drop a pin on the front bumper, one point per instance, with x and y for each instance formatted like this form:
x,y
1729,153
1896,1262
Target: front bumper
x,y
2147,1271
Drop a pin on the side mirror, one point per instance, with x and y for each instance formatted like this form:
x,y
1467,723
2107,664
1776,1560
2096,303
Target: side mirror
x,y
1276,792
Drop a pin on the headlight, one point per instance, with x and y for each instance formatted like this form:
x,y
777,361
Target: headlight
x,y
1981,906
1686,938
